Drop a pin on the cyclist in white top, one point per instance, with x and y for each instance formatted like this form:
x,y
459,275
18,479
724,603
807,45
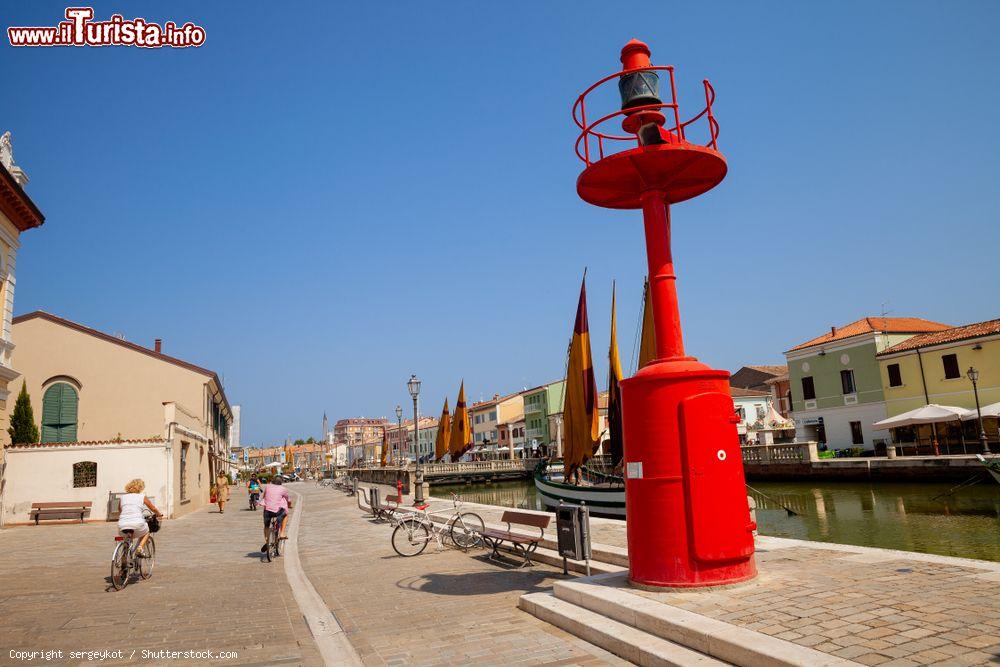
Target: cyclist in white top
x,y
132,504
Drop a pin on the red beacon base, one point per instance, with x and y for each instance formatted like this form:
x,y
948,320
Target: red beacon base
x,y
688,519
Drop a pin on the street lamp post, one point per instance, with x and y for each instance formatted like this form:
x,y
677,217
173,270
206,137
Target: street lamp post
x,y
973,375
413,385
399,434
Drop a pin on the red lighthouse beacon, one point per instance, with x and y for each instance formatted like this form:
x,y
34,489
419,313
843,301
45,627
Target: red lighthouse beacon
x,y
688,518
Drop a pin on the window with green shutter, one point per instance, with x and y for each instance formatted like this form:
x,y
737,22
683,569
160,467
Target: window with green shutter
x,y
59,405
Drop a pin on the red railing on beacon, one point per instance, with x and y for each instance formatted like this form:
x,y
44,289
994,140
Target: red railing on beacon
x,y
592,138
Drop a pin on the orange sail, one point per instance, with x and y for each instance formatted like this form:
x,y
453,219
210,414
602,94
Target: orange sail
x,y
443,434
461,433
580,418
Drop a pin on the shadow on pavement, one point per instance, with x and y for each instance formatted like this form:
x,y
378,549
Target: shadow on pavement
x,y
478,583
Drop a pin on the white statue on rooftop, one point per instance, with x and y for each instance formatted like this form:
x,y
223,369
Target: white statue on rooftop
x,y
7,160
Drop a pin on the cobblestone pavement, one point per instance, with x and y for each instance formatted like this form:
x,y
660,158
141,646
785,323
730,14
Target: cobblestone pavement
x,y
896,612
439,608
209,592
872,606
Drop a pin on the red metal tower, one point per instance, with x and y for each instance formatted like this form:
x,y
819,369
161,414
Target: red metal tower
x,y
688,519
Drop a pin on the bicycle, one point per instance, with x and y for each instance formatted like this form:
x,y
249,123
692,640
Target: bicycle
x,y
273,539
125,560
414,530
254,496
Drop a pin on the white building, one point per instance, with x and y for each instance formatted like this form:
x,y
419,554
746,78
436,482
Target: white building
x,y
234,430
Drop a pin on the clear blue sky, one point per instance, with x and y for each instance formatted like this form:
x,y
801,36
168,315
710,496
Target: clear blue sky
x,y
327,197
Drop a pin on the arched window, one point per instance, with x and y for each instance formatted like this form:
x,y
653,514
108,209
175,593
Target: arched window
x,y
59,413
85,474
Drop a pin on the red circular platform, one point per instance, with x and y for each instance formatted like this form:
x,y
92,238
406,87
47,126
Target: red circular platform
x,y
681,171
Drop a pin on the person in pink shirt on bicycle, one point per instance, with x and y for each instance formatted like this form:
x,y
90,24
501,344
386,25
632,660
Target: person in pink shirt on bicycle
x,y
276,503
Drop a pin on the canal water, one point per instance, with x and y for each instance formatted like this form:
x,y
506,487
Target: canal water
x,y
911,517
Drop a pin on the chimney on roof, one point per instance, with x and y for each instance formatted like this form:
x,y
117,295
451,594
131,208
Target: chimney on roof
x,y
158,345
833,331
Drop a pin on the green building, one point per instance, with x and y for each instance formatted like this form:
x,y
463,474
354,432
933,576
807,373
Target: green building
x,y
539,403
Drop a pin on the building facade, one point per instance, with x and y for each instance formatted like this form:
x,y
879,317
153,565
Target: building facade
x,y
540,404
18,214
750,405
486,416
933,368
836,384
95,393
424,449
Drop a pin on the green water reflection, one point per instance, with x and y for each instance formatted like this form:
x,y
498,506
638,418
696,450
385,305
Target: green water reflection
x,y
890,515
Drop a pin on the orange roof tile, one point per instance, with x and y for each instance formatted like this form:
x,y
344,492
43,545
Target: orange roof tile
x,y
739,392
872,324
954,334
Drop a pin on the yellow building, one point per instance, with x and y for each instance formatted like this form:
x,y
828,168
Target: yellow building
x,y
933,368
93,394
17,214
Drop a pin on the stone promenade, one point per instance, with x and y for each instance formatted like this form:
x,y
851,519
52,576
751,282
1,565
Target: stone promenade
x,y
439,608
209,592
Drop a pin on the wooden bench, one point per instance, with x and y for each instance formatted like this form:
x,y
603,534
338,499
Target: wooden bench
x,y
65,510
520,543
388,508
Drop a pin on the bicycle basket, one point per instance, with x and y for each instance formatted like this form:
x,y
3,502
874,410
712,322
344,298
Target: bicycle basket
x,y
153,523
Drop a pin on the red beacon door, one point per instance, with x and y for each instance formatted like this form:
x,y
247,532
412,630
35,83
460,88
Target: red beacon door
x,y
688,519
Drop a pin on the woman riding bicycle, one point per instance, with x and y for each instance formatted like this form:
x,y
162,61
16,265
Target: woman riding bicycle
x,y
132,505
253,487
276,505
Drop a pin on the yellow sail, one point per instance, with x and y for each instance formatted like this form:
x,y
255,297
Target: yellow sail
x,y
647,343
615,448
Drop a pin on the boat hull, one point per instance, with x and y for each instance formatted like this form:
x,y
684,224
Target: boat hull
x,y
601,501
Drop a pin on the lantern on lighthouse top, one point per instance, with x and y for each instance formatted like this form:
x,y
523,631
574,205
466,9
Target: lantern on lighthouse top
x,y
658,149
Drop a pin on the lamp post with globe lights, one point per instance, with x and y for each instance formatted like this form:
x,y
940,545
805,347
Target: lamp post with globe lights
x,y
399,432
413,385
973,375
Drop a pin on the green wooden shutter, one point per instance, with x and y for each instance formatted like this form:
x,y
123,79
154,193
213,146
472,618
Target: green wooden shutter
x,y
50,413
67,414
59,413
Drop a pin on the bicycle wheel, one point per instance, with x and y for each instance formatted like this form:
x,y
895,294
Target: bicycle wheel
x,y
146,562
270,542
410,538
467,530
120,566
277,541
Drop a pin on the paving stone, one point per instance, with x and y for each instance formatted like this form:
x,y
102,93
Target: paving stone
x,y
442,607
209,591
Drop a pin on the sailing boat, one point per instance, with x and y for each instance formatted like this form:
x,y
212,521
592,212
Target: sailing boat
x,y
602,490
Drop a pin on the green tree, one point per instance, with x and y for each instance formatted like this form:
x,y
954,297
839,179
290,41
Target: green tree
x,y
300,441
310,441
22,427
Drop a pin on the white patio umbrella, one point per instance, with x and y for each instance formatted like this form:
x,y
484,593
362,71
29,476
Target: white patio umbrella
x,y
991,410
929,414
273,464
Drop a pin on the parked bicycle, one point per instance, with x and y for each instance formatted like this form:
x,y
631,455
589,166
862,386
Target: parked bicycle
x,y
414,530
125,561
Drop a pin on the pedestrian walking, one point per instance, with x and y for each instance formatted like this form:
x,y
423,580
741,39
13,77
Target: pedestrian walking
x,y
222,491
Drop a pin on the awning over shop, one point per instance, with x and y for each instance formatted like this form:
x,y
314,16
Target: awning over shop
x,y
928,414
992,410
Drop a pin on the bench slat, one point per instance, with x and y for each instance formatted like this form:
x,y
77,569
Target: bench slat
x,y
72,504
525,519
